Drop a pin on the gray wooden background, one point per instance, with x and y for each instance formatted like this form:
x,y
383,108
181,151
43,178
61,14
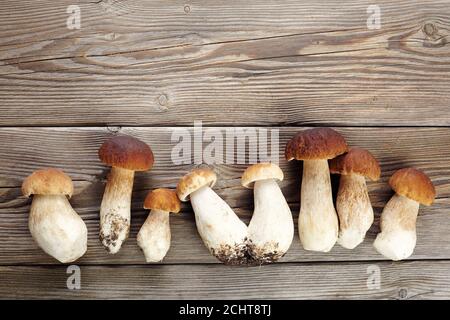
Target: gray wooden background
x,y
144,67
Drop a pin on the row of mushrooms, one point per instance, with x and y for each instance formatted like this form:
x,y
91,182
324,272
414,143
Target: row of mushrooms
x,y
62,234
270,231
323,150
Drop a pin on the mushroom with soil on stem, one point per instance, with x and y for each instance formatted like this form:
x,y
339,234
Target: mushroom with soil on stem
x,y
154,236
271,228
397,238
53,223
125,155
317,222
222,232
353,203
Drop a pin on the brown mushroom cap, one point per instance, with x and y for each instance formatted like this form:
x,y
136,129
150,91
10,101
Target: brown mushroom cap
x,y
162,199
413,184
49,181
126,152
261,171
356,161
315,144
195,180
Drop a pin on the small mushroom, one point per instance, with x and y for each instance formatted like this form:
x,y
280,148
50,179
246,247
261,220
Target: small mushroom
x,y
353,203
154,236
53,223
125,155
271,228
398,219
223,233
317,222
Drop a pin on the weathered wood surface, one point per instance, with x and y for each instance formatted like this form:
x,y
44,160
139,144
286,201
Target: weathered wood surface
x,y
146,68
75,151
407,280
157,63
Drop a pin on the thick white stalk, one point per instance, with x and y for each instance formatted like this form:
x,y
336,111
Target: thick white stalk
x,y
154,236
57,228
354,210
397,239
271,228
223,233
115,210
318,222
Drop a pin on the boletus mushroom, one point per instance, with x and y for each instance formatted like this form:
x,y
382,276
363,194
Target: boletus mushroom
x,y
353,203
222,232
53,223
271,228
317,222
125,155
398,219
154,236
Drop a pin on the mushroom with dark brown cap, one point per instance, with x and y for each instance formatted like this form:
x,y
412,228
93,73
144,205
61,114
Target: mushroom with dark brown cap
x,y
397,238
317,222
53,223
125,155
222,232
154,236
353,203
271,228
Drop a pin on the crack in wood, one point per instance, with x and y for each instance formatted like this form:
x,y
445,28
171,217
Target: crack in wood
x,y
171,47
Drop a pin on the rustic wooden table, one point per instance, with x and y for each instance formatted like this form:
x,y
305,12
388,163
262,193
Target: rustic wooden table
x,y
145,68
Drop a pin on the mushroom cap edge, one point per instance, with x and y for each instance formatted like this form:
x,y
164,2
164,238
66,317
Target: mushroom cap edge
x,y
356,161
162,199
126,152
315,144
413,184
195,180
261,171
49,181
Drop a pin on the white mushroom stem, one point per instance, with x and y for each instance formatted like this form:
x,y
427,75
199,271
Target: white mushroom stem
x,y
154,236
271,228
115,210
398,228
57,228
354,210
223,233
317,223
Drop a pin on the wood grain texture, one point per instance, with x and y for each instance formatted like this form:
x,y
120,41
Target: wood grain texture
x,y
74,150
150,68
406,280
162,63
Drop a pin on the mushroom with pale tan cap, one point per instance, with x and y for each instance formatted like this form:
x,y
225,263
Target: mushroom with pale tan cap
x,y
125,155
271,228
53,223
222,232
398,219
317,222
154,236
353,203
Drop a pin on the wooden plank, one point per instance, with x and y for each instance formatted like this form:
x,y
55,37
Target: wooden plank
x,y
407,280
17,245
158,63
23,150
